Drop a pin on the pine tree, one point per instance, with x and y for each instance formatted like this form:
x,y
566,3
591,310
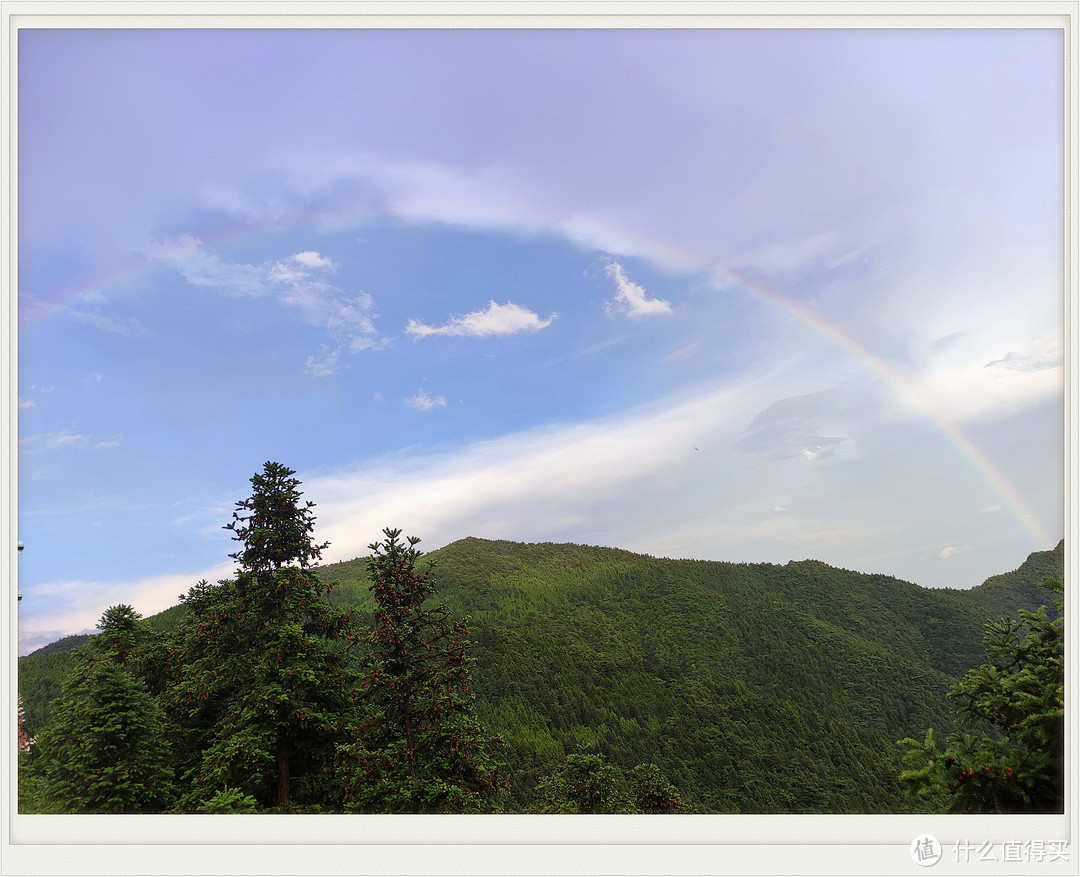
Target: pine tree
x,y
419,747
260,679
1011,756
276,529
107,749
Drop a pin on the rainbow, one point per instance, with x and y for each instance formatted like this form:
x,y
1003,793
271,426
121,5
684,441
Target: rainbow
x,y
665,253
909,393
901,385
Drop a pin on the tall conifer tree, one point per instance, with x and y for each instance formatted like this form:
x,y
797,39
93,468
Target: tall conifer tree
x,y
107,749
419,748
260,683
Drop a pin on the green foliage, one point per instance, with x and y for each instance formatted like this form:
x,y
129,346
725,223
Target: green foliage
x,y
752,688
1010,756
651,792
107,749
276,529
418,747
589,783
584,784
259,682
40,682
230,801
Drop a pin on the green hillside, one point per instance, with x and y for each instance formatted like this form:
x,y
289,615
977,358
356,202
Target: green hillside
x,y
753,687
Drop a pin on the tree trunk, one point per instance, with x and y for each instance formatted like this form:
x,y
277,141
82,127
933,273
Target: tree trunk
x,y
283,772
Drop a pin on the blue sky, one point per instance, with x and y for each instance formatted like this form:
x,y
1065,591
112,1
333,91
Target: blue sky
x,y
727,294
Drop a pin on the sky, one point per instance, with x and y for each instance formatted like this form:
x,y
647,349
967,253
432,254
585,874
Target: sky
x,y
742,295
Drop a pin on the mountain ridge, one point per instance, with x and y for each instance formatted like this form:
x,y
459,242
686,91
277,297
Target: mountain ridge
x,y
755,688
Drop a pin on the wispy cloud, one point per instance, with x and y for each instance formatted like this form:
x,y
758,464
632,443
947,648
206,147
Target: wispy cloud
x,y
424,401
789,258
111,443
127,328
83,602
950,550
963,386
1032,361
27,403
298,281
495,319
631,298
199,267
568,473
301,284
815,426
325,364
62,439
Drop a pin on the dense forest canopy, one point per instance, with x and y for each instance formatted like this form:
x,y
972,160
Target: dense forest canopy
x,y
670,685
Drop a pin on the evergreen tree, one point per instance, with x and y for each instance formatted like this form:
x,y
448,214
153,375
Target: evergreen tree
x,y
260,682
651,792
107,749
274,525
1010,757
418,748
585,783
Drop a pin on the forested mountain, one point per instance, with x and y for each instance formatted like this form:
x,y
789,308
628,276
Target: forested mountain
x,y
751,687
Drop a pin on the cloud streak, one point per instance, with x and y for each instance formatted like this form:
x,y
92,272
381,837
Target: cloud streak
x,y
547,482
298,281
126,328
494,320
62,439
631,298
85,601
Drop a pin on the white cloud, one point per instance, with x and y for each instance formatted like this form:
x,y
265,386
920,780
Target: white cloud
x,y
538,484
111,443
424,401
359,343
127,328
27,403
495,319
84,602
789,258
62,439
630,298
189,256
311,259
961,387
949,550
1039,359
325,365
434,193
298,281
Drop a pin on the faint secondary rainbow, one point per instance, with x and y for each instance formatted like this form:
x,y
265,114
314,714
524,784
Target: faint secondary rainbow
x,y
651,248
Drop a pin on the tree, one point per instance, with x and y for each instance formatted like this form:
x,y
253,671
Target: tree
x,y
107,749
418,747
651,792
585,783
260,681
276,531
1010,756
